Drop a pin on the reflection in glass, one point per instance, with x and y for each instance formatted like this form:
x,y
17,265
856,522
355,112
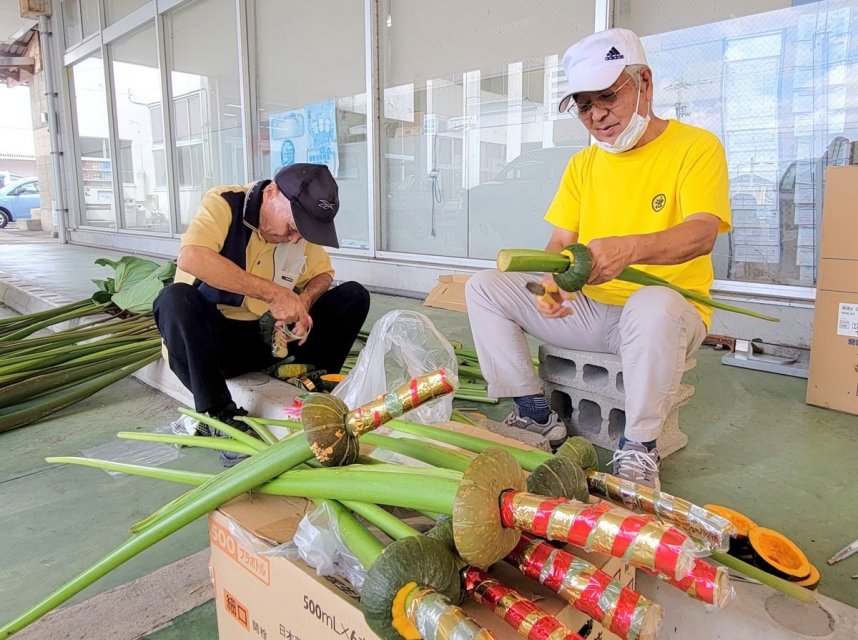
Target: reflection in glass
x,y
93,142
89,17
318,114
71,22
773,87
473,144
137,95
206,101
116,9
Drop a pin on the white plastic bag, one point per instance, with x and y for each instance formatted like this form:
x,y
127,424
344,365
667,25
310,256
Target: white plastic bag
x,y
318,542
401,346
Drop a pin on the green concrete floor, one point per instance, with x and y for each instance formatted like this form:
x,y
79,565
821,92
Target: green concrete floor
x,y
754,445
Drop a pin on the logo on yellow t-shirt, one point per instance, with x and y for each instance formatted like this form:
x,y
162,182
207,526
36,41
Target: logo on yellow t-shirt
x,y
658,202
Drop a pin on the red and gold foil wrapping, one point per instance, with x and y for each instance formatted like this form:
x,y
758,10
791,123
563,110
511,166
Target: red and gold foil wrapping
x,y
521,614
619,609
706,582
640,540
436,619
703,525
401,400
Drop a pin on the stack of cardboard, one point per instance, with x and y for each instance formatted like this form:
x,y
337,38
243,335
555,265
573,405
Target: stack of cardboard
x,y
833,377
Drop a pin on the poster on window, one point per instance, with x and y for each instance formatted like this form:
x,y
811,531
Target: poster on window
x,y
305,135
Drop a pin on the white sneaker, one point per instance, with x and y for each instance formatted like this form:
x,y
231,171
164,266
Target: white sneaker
x,y
633,462
554,430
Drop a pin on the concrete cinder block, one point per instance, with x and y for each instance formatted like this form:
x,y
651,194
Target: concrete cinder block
x,y
602,419
587,391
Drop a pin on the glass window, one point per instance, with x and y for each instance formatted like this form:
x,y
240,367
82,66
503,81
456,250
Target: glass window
x,y
71,23
204,75
316,111
116,9
472,143
89,17
774,87
93,142
137,93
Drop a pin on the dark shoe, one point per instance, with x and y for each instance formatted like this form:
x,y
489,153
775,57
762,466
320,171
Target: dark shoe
x,y
228,415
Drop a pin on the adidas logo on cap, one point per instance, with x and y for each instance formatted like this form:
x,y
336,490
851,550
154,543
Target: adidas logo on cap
x,y
613,54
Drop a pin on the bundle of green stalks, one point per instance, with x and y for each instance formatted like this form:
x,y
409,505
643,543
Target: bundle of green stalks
x,y
472,385
107,337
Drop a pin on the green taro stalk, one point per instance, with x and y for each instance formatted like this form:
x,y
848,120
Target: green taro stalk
x,y
571,274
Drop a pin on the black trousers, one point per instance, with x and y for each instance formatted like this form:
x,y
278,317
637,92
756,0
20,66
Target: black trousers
x,y
205,348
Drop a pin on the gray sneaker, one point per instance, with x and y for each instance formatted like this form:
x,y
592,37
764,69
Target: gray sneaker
x,y
554,430
633,462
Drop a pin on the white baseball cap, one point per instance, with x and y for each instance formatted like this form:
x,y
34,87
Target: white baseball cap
x,y
595,63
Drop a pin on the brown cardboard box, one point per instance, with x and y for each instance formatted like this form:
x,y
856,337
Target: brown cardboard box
x,y
839,216
833,378
449,293
270,597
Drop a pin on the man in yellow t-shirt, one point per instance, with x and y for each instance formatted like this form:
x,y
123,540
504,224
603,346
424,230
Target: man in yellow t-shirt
x,y
649,192
253,252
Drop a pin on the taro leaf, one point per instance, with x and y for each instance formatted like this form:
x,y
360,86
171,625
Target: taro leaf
x,y
129,270
166,272
101,297
138,298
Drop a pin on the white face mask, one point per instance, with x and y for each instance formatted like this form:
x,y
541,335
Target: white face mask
x,y
629,136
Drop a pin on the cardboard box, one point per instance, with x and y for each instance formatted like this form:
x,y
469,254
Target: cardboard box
x,y
839,217
270,597
449,293
833,375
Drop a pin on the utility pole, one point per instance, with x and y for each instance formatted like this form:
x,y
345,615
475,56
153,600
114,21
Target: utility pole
x,y
680,107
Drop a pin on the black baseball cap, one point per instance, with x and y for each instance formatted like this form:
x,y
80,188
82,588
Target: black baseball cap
x,y
313,193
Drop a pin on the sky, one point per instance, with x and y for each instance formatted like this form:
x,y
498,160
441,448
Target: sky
x,y
16,124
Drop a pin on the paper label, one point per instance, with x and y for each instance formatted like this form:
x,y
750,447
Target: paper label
x,y
847,320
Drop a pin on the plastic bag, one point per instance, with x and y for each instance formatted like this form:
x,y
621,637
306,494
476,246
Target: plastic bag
x,y
317,542
402,345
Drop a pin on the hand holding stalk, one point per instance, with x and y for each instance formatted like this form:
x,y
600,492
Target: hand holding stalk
x,y
571,268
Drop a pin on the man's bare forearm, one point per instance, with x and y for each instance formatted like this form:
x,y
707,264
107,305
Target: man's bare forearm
x,y
216,271
314,288
692,238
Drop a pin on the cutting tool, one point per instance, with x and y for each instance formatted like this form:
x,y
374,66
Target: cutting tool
x,y
849,550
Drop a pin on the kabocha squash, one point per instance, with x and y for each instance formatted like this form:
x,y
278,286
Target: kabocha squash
x,y
581,451
581,263
812,581
740,547
559,478
419,560
324,426
775,553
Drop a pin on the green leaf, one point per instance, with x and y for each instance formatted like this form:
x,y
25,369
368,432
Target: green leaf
x,y
101,297
129,270
138,298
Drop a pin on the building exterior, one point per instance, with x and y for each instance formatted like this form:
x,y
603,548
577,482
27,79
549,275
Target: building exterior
x,y
439,121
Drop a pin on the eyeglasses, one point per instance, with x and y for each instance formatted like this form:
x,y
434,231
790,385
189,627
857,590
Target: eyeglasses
x,y
604,101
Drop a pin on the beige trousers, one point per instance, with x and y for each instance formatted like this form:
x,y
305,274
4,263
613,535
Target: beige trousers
x,y
653,333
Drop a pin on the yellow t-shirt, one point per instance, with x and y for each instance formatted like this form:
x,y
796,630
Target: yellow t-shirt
x,y
209,229
646,190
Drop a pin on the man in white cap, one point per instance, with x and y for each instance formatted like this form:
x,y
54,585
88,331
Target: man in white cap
x,y
649,192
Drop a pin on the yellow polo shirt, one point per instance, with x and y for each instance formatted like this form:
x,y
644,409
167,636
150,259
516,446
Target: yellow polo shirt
x,y
646,190
209,229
